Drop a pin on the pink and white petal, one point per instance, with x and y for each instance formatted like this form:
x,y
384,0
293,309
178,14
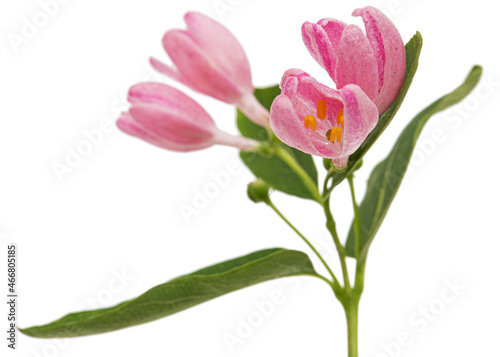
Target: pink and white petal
x,y
172,99
389,51
127,124
171,72
221,46
170,124
356,62
360,118
288,126
318,44
196,67
333,29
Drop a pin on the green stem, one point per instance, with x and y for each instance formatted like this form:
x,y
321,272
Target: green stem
x,y
284,155
332,228
351,305
357,222
336,284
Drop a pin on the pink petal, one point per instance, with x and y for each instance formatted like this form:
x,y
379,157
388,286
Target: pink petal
x,y
221,46
333,29
289,127
356,62
389,51
172,99
197,69
171,126
319,46
360,117
171,72
322,40
127,124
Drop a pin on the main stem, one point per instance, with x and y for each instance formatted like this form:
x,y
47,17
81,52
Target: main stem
x,y
351,304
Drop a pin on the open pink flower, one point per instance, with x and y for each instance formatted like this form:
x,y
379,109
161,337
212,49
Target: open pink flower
x,y
210,60
376,61
319,120
165,117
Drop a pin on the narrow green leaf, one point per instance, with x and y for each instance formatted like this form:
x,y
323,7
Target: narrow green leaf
x,y
413,48
181,293
273,170
386,178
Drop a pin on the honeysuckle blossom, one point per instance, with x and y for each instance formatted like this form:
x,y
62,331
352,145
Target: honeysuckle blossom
x,y
166,117
319,120
209,59
376,62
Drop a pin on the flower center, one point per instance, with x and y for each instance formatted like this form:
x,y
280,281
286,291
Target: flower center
x,y
334,134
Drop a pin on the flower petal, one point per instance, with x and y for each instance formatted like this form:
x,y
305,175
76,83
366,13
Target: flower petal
x,y
171,72
288,126
318,44
171,98
197,69
360,117
356,62
171,126
389,51
220,45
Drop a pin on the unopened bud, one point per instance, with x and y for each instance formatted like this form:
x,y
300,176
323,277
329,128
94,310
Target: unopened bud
x,y
258,191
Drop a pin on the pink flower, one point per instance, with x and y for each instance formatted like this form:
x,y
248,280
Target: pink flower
x,y
210,60
376,61
165,117
321,121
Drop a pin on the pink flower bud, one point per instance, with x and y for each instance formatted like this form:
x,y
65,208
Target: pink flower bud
x,y
210,60
165,117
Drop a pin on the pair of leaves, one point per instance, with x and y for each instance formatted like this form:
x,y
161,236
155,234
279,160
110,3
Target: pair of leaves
x,y
181,293
386,178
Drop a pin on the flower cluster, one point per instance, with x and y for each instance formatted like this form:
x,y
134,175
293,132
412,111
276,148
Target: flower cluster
x,y
367,68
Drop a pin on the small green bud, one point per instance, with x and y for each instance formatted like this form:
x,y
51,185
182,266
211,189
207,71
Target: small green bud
x,y
258,191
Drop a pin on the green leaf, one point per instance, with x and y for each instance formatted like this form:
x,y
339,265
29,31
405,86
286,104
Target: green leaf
x,y
386,178
413,48
273,170
181,293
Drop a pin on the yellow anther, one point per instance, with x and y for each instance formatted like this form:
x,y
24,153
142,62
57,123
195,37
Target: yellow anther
x,y
334,134
340,118
321,109
310,122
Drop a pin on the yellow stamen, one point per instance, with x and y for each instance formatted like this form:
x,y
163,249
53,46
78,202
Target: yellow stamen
x,y
310,122
334,133
321,109
340,118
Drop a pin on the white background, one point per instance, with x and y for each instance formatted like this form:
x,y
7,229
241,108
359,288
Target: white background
x,y
119,209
